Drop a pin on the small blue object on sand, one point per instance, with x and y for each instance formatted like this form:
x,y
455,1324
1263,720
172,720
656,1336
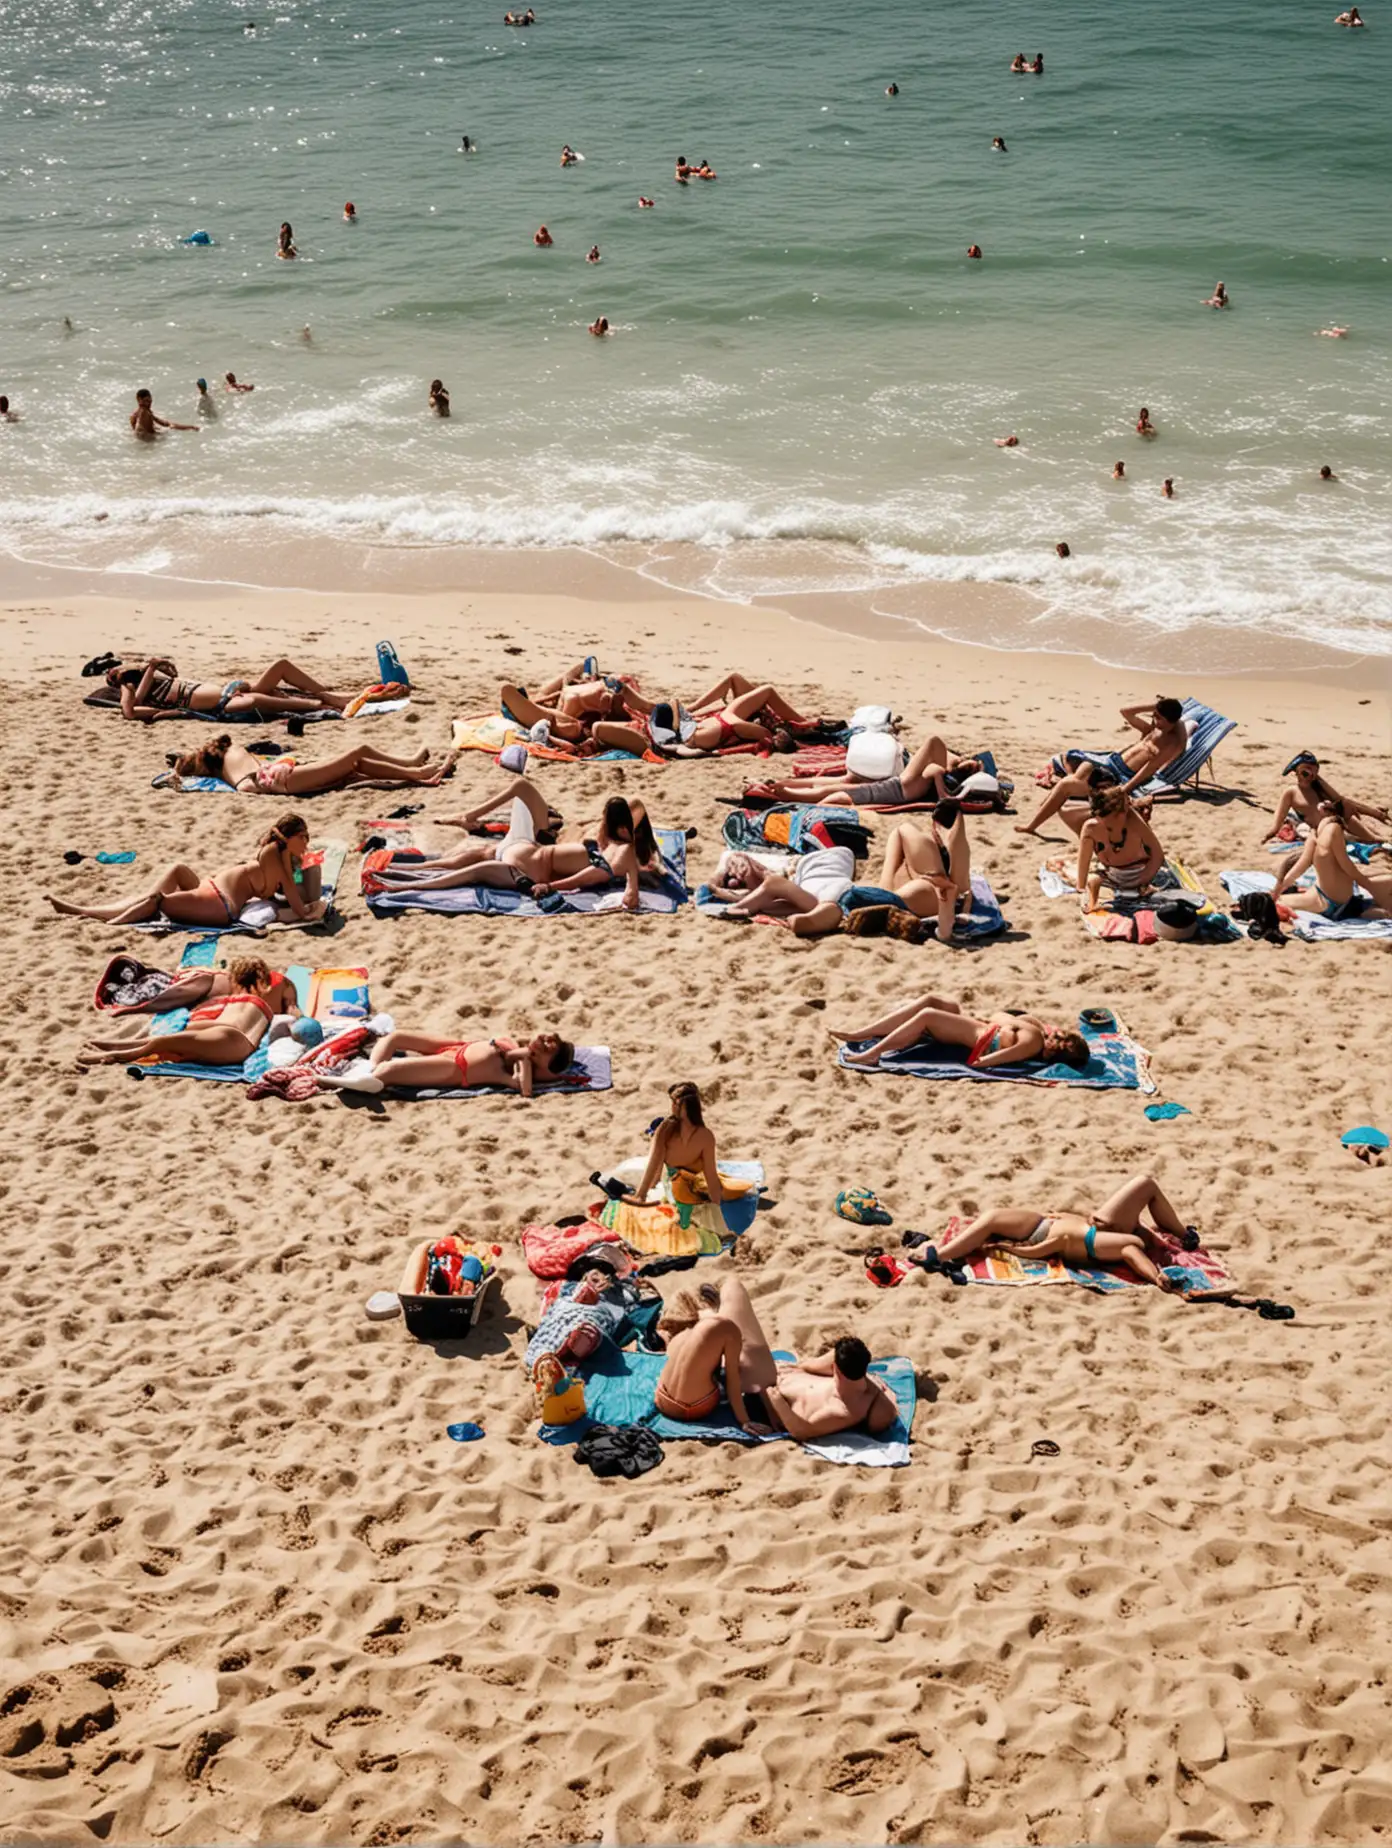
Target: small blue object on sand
x,y
464,1433
116,859
1365,1137
1161,1113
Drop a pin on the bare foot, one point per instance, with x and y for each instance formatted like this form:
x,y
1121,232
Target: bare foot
x,y
1024,827
868,1060
840,1037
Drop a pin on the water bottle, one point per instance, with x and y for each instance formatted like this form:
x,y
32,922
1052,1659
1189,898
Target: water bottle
x,y
611,1185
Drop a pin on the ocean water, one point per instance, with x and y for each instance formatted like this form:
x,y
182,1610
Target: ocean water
x,y
806,372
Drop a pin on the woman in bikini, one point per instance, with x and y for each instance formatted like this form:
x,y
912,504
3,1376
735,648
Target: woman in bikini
x,y
930,870
1334,894
185,897
997,1039
251,775
221,1030
433,1062
571,708
1117,1234
155,691
623,848
752,717
713,1333
684,1145
1127,851
924,778
1311,787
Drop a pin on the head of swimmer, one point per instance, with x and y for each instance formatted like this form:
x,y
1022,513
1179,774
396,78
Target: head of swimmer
x,y
207,760
551,1055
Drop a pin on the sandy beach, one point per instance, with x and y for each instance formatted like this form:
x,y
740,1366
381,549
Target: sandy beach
x,y
250,1591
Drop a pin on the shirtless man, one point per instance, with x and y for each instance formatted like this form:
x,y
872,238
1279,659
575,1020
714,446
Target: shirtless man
x,y
1304,796
1334,894
807,1399
144,422
1163,739
925,774
430,1060
1127,853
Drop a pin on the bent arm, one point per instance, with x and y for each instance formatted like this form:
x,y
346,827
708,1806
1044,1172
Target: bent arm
x,y
1283,809
1294,867
1139,718
1086,848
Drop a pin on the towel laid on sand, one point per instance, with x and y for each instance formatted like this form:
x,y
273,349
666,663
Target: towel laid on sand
x,y
1198,1273
619,1386
494,731
1129,918
592,1071
491,901
1115,1062
717,1227
260,915
337,998
792,829
1305,923
985,919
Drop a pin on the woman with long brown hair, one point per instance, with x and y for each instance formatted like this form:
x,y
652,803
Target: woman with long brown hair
x,y
221,1031
251,775
187,897
685,1145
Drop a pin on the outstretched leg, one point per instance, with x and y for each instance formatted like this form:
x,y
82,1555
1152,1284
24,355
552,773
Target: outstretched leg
x,y
130,910
1074,788
285,673
897,1017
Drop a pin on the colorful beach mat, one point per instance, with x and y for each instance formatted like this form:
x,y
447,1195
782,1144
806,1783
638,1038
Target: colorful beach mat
x,y
1121,917
1198,1273
489,901
1115,1062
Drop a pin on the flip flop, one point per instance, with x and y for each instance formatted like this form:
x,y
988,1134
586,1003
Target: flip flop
x,y
1044,1447
464,1433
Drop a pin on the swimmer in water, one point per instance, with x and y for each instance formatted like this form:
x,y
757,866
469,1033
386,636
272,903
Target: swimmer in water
x,y
1064,549
998,146
206,405
1118,471
893,90
306,335
1331,333
1352,18
285,244
231,384
567,156
1017,63
600,327
1219,297
350,213
1038,66
592,254
543,238
973,250
466,144
439,399
1167,487
6,414
144,422
644,203
1327,473
705,171
1007,442
1144,427
683,172
68,327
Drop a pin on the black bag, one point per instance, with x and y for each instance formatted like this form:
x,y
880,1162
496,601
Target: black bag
x,y
1258,911
619,1450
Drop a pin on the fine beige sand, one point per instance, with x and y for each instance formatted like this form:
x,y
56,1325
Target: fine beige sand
x,y
251,1591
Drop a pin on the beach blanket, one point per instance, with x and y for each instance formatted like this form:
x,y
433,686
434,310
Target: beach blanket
x,y
489,901
1115,1062
337,998
619,1386
716,1227
1305,923
1120,917
592,1071
372,709
1198,1273
790,828
260,916
494,731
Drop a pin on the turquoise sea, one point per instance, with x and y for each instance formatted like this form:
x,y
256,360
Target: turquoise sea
x,y
806,372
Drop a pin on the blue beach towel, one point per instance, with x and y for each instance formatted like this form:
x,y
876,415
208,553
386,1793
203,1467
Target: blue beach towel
x,y
200,955
1116,1062
487,901
1305,923
619,1390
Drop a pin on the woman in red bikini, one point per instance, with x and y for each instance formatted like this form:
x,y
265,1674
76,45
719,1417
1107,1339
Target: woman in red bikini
x,y
251,775
994,1039
434,1063
715,1349
223,1031
184,897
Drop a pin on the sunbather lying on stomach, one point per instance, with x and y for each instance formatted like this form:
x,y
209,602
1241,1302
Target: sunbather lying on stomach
x,y
1001,1038
923,776
623,847
224,1030
430,1061
714,1340
1164,737
1115,1234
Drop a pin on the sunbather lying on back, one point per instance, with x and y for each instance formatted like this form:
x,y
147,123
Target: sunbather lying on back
x,y
755,716
1303,796
1164,737
152,689
714,1341
222,1030
432,1062
809,900
251,775
1116,1234
277,874
1002,1038
1335,895
924,776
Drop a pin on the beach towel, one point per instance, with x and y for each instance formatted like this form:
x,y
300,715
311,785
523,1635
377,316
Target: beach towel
x,y
259,917
619,1386
1198,1273
715,1227
1305,923
489,901
985,919
1115,1062
1121,917
790,828
592,1071
337,998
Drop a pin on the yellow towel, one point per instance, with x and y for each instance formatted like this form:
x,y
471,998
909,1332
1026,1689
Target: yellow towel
x,y
656,1231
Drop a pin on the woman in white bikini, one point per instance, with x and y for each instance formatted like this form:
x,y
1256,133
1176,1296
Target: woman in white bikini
x,y
996,1039
1117,1234
225,1030
186,897
251,775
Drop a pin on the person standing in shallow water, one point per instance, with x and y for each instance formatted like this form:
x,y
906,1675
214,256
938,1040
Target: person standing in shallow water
x,y
144,422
